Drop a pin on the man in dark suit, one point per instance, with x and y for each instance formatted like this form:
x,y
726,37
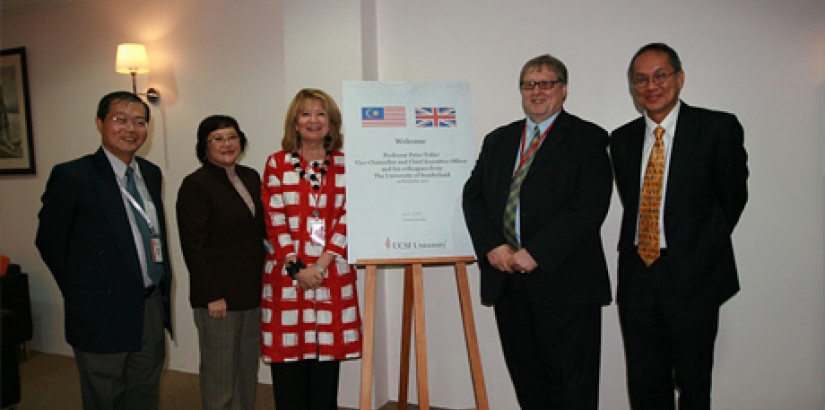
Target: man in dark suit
x,y
103,236
534,205
676,264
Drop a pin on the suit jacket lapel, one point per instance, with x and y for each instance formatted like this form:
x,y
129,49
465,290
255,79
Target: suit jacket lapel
x,y
112,199
507,152
635,151
559,130
683,142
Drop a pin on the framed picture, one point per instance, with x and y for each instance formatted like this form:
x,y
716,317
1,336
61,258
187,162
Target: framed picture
x,y
16,143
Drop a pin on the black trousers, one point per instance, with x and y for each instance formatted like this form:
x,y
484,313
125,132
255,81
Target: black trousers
x,y
552,352
668,343
306,385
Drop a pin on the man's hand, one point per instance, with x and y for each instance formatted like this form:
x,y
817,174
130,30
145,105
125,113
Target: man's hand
x,y
500,257
522,261
217,308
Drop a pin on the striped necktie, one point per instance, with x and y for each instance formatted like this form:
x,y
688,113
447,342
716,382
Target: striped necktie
x,y
153,269
509,219
651,201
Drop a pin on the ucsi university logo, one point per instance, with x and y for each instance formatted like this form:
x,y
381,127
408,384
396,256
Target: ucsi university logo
x,y
397,245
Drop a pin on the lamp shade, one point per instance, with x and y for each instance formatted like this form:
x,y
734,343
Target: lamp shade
x,y
131,58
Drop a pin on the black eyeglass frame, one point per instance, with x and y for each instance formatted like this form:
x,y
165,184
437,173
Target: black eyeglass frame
x,y
543,85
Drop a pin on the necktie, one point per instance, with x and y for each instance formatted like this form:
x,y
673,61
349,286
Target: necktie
x,y
651,201
153,269
509,219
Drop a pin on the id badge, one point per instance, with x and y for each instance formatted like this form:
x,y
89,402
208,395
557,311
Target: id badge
x,y
157,249
317,231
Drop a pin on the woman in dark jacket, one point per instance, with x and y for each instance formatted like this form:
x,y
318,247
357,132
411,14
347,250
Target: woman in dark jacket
x,y
222,233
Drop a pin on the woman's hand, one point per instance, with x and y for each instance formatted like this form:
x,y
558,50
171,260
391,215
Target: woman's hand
x,y
309,277
289,259
217,308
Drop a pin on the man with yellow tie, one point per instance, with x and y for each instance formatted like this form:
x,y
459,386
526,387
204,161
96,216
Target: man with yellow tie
x,y
681,175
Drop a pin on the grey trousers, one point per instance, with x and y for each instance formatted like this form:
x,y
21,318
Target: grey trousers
x,y
126,380
230,350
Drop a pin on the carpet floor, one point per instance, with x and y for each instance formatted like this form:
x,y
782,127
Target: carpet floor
x,y
50,381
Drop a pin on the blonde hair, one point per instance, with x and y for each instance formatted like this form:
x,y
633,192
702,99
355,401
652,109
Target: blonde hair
x,y
291,140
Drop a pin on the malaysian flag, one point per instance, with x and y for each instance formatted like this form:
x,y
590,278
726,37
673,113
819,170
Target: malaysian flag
x,y
393,116
434,117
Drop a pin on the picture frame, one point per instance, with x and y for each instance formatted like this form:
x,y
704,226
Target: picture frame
x,y
16,140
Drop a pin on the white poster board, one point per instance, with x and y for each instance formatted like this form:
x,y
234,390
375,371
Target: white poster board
x,y
409,150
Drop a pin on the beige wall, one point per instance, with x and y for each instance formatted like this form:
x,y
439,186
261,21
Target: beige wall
x,y
759,59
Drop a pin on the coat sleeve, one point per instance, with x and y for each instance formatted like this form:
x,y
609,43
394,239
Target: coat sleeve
x,y
194,210
337,238
484,231
272,197
55,223
732,169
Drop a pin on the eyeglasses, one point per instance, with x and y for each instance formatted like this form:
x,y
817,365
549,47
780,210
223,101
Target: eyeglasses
x,y
543,85
658,78
123,121
220,140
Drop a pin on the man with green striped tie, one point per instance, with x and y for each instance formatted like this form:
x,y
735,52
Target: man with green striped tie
x,y
534,205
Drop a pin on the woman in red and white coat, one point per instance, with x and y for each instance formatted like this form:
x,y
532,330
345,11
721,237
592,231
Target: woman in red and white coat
x,y
310,318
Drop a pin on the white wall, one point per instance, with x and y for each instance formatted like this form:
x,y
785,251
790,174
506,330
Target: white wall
x,y
763,61
204,60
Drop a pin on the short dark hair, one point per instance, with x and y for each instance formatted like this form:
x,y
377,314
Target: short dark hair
x,y
675,62
212,123
105,103
544,60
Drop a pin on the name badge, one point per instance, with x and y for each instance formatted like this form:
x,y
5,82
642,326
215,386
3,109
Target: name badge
x,y
317,231
157,249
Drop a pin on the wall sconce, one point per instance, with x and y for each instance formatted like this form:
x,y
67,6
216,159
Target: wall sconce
x,y
131,59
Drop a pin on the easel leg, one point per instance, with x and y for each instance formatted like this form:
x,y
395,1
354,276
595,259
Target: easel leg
x,y
406,325
420,338
470,336
369,337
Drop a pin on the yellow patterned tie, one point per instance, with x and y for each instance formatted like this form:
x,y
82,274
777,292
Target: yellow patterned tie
x,y
651,201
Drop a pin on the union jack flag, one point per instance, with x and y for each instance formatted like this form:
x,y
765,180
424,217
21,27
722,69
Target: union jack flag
x,y
391,116
434,117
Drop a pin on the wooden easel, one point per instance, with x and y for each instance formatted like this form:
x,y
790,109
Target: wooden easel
x,y
414,300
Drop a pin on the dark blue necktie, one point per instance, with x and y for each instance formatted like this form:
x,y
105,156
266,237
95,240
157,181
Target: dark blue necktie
x,y
153,269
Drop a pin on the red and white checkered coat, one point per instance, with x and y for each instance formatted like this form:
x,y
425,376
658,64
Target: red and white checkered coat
x,y
324,323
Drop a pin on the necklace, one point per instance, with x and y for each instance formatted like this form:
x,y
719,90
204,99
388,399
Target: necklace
x,y
316,170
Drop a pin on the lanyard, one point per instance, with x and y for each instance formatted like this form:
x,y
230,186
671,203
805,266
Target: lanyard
x,y
524,155
315,197
139,210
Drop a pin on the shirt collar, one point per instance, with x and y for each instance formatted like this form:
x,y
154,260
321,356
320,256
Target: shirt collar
x,y
219,170
118,166
668,123
542,125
